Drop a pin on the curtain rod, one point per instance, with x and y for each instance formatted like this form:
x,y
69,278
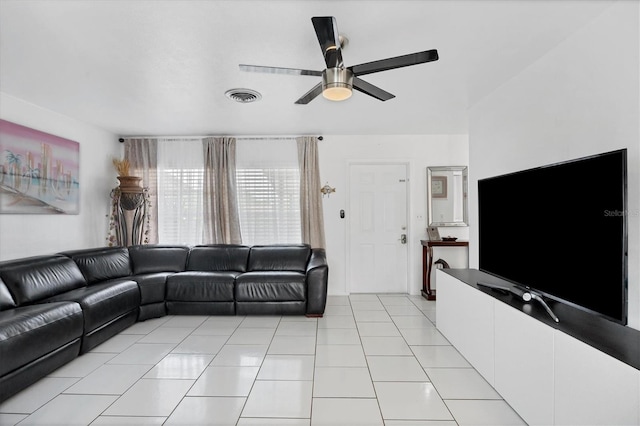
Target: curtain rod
x,y
246,138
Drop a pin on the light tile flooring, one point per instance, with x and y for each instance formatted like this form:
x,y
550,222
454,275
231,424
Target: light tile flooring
x,y
372,360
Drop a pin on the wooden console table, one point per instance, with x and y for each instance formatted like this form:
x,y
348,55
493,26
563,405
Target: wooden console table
x,y
427,263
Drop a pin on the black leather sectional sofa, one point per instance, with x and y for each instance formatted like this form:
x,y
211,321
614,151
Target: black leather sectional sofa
x,y
56,307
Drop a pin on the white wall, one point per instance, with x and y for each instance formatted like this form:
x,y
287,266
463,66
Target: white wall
x,y
581,98
30,235
420,152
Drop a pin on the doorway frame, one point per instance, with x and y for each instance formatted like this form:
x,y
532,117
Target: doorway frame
x,y
350,163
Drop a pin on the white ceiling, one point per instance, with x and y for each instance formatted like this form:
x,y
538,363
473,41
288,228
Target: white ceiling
x,y
142,67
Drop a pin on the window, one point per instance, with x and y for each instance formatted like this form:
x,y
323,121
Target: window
x,y
268,185
180,171
269,205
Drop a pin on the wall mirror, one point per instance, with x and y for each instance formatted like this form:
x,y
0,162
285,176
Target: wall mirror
x,y
447,200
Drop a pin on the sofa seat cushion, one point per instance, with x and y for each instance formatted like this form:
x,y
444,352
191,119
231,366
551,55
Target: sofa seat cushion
x,y
194,286
271,286
153,286
104,302
30,332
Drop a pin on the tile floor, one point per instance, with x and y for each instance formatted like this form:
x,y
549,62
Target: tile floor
x,y
372,360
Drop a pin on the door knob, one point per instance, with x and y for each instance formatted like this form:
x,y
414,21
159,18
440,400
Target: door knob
x,y
403,238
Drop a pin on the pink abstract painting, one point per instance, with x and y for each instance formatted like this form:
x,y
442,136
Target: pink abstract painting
x,y
39,172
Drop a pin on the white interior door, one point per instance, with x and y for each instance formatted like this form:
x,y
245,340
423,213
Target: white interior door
x,y
377,223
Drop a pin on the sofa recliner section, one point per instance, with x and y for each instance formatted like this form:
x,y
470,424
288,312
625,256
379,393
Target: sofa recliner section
x,y
275,281
152,265
206,286
109,307
35,340
110,300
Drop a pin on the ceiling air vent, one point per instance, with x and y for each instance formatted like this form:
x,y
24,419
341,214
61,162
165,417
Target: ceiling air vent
x,y
244,96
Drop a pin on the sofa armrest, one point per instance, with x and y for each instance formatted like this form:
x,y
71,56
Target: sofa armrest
x,y
317,279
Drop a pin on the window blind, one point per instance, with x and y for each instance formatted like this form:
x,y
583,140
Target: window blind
x,y
268,186
180,172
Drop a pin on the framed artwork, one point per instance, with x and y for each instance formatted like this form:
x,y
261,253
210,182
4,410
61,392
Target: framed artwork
x,y
438,187
433,233
39,172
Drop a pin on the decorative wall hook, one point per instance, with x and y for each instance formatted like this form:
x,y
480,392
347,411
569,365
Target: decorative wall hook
x,y
327,190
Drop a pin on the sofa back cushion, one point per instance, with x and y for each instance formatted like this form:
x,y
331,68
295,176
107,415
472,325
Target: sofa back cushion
x,y
35,278
279,258
150,259
218,257
102,264
6,300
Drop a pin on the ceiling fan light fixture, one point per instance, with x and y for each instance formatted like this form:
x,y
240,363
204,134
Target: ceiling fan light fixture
x,y
337,93
337,84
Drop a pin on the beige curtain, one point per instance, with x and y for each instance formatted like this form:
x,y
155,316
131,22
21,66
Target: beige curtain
x,y
221,220
142,154
312,219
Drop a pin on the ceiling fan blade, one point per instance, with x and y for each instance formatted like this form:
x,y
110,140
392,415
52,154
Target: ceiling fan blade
x,y
397,62
327,32
310,95
278,70
371,90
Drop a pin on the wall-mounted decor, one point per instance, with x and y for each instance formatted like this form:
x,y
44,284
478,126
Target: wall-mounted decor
x,y
327,190
39,172
439,186
447,203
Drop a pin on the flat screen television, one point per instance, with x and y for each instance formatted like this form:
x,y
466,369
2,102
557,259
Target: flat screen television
x,y
560,230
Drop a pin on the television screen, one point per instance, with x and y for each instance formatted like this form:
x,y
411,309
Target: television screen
x,y
560,230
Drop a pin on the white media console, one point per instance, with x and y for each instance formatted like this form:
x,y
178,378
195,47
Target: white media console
x,y
551,374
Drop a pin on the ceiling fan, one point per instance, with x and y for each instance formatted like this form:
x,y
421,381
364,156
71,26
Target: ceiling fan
x,y
337,80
